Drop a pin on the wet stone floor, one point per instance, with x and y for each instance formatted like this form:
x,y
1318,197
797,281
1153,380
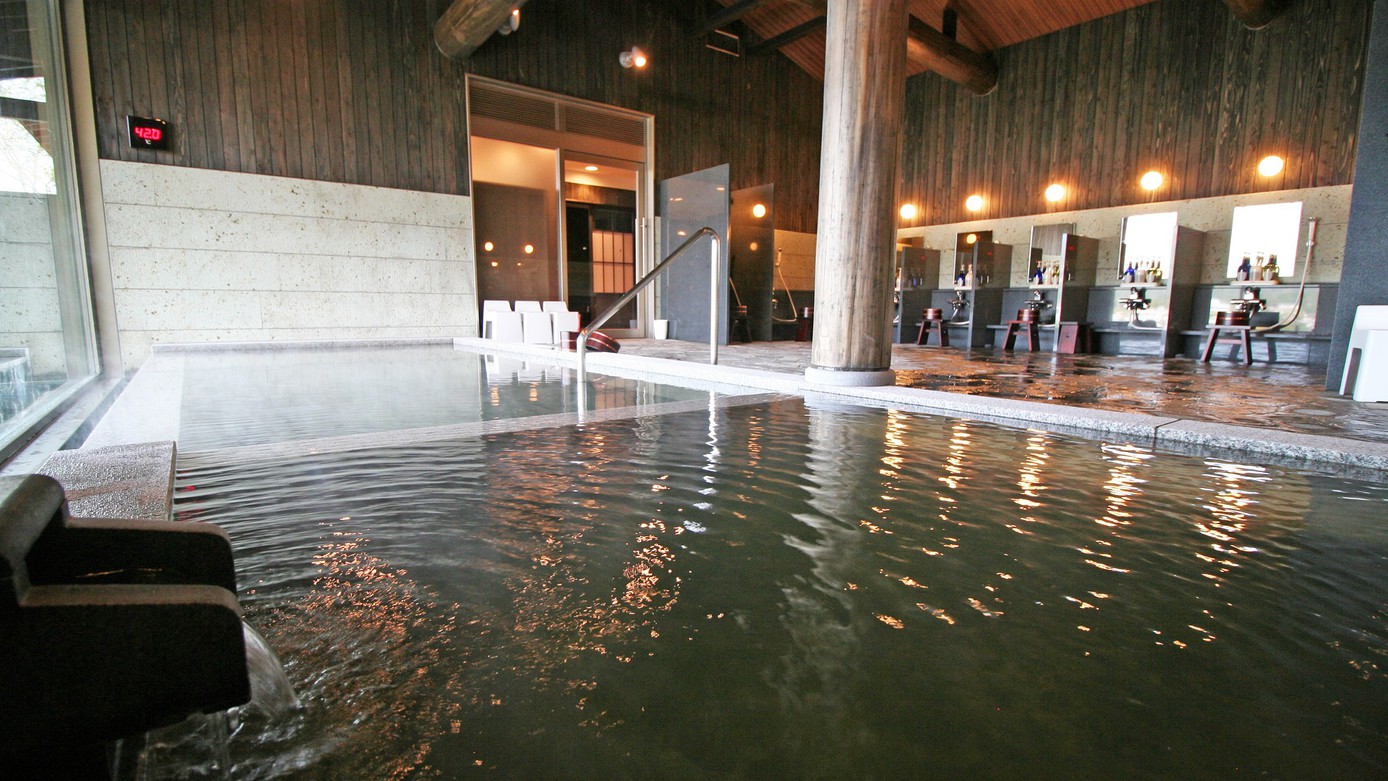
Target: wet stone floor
x,y
1286,397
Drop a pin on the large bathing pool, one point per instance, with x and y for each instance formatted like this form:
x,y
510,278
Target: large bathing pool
x,y
776,590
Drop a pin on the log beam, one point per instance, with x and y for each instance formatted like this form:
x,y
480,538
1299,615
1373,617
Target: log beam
x,y
793,34
1255,14
729,15
952,59
466,24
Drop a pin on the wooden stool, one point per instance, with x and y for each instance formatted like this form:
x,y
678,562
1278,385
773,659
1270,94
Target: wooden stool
x,y
738,328
1074,338
1032,331
1239,337
933,321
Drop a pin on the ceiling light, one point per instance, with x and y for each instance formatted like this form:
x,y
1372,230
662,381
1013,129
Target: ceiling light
x,y
1151,180
908,211
759,211
632,58
1055,192
590,168
1271,165
974,203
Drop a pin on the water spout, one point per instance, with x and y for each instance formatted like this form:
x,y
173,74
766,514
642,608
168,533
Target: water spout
x,y
271,692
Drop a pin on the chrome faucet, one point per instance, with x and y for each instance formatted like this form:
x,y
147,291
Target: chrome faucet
x,y
1137,300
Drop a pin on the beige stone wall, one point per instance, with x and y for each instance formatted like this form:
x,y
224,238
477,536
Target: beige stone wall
x,y
206,256
29,308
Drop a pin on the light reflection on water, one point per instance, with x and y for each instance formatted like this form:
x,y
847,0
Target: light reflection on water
x,y
781,592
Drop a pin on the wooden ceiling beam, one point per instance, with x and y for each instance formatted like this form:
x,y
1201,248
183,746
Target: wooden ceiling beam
x,y
729,15
793,34
950,58
1255,14
466,24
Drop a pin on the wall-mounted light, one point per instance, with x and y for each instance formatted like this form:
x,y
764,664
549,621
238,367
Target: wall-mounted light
x,y
1271,165
759,211
908,211
1055,193
511,24
754,246
974,203
633,58
590,168
972,238
488,246
495,263
530,249
1151,180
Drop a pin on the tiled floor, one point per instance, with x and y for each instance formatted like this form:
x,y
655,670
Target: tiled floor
x,y
1284,397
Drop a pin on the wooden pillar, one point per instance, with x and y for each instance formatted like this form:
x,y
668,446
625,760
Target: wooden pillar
x,y
855,257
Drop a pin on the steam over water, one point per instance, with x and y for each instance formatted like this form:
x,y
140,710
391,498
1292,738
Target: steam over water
x,y
772,591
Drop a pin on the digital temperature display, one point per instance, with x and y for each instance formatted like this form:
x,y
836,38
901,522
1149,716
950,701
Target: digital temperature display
x,y
148,133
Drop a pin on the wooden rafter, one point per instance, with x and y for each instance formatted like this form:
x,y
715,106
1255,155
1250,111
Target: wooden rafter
x,y
466,24
729,15
951,59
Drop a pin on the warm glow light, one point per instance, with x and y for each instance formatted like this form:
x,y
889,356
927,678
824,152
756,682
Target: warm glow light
x,y
974,203
759,211
754,246
908,211
495,263
590,168
530,249
972,238
1151,180
489,246
634,58
1055,192
1271,165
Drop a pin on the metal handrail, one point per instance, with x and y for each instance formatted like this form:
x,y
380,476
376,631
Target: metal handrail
x,y
714,265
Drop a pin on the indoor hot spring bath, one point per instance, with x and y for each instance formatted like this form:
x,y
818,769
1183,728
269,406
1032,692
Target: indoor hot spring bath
x,y
776,590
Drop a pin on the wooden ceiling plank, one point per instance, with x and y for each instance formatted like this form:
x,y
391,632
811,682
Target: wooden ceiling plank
x,y
793,34
466,24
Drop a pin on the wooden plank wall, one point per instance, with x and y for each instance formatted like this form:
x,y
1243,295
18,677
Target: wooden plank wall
x,y
351,91
1176,86
356,91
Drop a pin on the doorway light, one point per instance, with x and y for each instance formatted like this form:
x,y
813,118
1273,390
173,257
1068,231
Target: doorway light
x,y
759,211
632,58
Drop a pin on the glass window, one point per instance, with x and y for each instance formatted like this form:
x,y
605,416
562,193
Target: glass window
x,y
46,343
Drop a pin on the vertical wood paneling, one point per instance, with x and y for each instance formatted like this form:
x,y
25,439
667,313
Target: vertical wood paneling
x,y
1177,86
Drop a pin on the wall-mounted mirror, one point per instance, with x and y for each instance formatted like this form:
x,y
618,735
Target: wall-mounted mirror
x,y
1147,248
1047,253
973,259
1267,233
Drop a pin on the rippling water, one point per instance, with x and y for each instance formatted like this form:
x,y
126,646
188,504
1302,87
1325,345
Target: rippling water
x,y
773,591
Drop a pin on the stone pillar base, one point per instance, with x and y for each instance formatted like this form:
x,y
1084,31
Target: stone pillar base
x,y
848,378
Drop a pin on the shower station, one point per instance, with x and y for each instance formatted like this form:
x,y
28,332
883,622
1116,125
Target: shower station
x,y
1144,307
974,300
1048,309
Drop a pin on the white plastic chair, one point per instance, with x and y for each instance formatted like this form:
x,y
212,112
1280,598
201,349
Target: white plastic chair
x,y
501,370
554,306
506,327
565,321
1365,377
489,308
528,306
538,327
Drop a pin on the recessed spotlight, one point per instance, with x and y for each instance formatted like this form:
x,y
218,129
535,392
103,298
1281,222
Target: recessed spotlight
x,y
1271,165
590,168
1055,192
974,203
1151,180
759,211
908,211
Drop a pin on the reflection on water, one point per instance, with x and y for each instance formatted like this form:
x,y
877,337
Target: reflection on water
x,y
780,592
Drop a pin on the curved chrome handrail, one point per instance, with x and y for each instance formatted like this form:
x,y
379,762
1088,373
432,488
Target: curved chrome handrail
x,y
714,264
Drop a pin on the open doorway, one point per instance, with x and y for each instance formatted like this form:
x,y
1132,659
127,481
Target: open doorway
x,y
600,206
515,213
